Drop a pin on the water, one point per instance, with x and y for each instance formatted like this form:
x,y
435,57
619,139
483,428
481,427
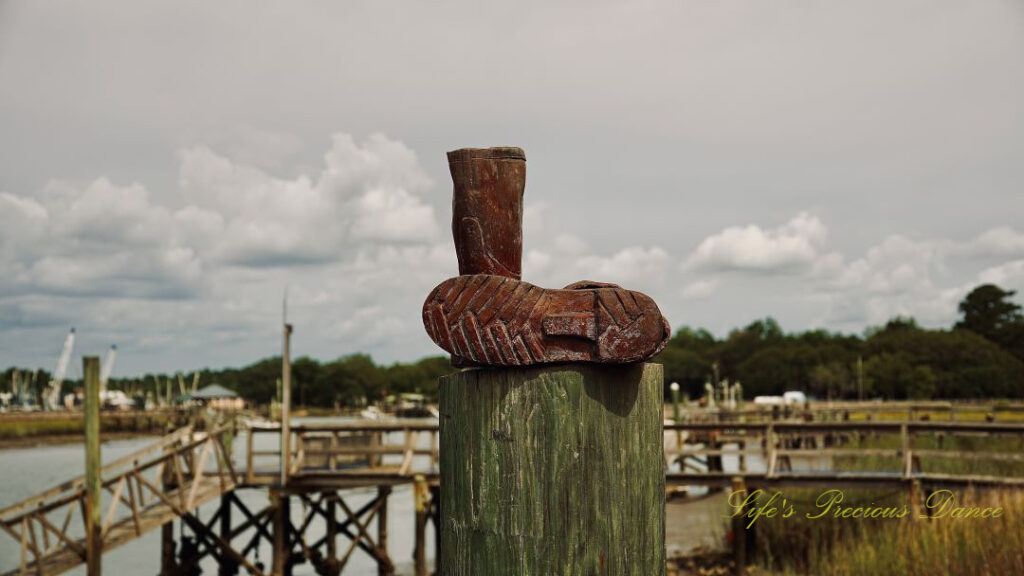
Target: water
x,y
28,471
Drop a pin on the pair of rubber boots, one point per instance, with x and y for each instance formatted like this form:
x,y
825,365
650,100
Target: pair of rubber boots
x,y
487,316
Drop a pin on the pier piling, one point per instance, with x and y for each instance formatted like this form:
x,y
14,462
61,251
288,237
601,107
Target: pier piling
x,y
739,529
93,468
553,470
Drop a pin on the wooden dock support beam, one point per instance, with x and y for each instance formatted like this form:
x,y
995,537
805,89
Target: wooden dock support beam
x,y
332,528
228,566
914,499
93,468
739,529
421,497
553,470
281,503
435,517
384,566
168,562
286,405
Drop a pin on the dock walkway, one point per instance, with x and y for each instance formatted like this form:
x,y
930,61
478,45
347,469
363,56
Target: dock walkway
x,y
172,478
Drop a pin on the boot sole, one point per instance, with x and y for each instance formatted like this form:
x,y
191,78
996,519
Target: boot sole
x,y
486,320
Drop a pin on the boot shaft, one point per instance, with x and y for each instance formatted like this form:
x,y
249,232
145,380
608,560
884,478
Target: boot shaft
x,y
487,209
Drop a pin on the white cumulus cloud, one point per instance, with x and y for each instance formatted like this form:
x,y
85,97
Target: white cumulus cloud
x,y
795,244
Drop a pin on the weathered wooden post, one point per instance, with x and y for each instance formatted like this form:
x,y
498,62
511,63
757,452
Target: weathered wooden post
x,y
281,504
421,494
739,527
93,466
384,566
553,470
332,533
228,566
168,563
286,404
674,388
552,448
914,499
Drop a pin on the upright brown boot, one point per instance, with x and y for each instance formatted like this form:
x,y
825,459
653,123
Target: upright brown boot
x,y
487,209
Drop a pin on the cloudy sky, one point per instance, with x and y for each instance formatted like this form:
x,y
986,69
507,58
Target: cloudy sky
x,y
167,170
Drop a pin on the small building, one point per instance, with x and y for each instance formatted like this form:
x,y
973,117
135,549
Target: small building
x,y
214,396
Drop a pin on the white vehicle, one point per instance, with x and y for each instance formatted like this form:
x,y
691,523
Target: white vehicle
x,y
793,397
787,399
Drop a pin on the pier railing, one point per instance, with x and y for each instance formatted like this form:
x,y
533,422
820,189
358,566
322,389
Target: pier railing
x,y
773,452
857,411
353,452
778,447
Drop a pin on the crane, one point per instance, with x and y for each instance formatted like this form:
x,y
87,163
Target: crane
x,y
53,391
107,367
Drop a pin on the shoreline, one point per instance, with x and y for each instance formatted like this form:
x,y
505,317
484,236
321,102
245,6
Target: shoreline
x,y
61,439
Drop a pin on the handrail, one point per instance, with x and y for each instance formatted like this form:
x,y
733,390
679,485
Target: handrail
x,y
178,481
892,426
78,483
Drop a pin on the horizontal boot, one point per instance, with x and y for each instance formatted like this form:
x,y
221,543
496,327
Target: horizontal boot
x,y
488,320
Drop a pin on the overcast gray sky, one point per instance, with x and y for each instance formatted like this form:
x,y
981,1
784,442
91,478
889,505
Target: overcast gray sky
x,y
167,169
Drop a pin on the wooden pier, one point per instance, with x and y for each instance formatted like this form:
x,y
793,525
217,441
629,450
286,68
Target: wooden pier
x,y
169,480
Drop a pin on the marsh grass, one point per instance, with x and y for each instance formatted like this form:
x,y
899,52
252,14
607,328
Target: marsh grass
x,y
20,429
889,546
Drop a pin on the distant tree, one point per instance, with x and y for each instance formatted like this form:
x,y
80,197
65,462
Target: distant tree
x,y
685,366
694,339
420,377
776,369
988,311
889,374
256,381
305,371
829,380
963,364
742,345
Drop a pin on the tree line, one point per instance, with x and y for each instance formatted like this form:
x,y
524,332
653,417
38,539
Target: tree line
x,y
980,356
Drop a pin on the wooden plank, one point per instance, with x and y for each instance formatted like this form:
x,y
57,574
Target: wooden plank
x,y
114,502
977,455
553,470
134,504
62,536
838,427
410,444
226,459
198,473
249,454
905,442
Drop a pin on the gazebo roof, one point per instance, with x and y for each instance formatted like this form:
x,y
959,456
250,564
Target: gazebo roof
x,y
212,391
